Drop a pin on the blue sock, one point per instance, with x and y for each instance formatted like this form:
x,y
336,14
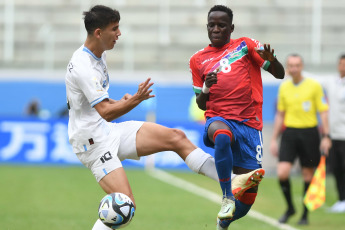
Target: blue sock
x,y
241,210
224,160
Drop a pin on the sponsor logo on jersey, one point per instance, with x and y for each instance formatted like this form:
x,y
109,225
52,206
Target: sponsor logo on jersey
x,y
206,61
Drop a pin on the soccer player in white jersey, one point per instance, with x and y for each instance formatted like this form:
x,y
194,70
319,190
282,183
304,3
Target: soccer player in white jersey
x,y
99,144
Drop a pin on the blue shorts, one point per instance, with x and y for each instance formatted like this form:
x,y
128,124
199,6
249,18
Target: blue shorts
x,y
247,145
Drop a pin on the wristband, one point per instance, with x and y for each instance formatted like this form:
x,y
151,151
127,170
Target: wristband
x,y
205,89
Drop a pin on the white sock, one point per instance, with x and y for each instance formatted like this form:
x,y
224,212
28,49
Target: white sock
x,y
202,163
100,226
209,169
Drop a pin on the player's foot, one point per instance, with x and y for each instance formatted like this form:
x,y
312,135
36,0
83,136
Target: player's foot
x,y
223,224
284,218
228,208
303,221
243,182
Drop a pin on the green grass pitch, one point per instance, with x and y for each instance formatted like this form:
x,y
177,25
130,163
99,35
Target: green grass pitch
x,y
55,198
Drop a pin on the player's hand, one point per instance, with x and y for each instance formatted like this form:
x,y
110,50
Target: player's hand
x,y
144,91
126,97
325,145
211,79
266,53
274,148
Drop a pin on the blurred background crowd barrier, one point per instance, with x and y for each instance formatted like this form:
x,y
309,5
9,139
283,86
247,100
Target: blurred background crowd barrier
x,y
163,34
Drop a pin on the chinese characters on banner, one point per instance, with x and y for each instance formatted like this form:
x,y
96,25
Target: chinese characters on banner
x,y
35,141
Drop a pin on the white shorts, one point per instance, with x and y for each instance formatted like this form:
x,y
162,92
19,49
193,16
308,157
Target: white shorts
x,y
102,158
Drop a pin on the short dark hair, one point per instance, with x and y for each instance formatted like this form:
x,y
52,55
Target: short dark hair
x,y
99,16
222,8
342,56
295,55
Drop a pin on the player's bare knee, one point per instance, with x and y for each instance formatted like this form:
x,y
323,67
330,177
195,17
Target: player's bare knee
x,y
178,137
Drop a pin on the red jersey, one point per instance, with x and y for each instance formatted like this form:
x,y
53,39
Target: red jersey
x,y
238,92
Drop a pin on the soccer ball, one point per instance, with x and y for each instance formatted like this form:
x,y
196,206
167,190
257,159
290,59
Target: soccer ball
x,y
116,210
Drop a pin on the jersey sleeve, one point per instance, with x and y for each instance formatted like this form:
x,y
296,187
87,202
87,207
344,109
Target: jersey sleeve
x,y
252,44
281,103
321,102
89,81
197,79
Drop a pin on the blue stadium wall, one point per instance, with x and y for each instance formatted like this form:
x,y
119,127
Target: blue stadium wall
x,y
29,140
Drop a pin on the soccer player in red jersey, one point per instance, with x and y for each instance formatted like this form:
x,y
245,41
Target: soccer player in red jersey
x,y
228,85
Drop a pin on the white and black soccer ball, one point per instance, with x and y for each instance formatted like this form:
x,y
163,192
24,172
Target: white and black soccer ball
x,y
116,210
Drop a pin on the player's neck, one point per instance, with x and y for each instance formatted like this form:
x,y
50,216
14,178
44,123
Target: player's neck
x,y
94,47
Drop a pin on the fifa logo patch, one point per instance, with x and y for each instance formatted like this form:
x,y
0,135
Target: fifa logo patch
x,y
306,106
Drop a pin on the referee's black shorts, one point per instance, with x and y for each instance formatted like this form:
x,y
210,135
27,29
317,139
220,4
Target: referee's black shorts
x,y
303,143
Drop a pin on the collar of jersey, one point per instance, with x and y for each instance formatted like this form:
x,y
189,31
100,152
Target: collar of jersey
x,y
210,47
92,54
299,83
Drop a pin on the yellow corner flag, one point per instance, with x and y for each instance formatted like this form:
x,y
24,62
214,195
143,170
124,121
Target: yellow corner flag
x,y
316,193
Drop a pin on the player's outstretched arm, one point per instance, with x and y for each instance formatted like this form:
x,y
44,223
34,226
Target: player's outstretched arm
x,y
275,68
125,97
110,109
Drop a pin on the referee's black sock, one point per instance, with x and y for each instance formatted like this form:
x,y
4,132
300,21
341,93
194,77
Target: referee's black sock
x,y
305,212
286,188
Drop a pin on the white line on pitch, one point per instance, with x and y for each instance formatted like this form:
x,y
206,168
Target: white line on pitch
x,y
185,185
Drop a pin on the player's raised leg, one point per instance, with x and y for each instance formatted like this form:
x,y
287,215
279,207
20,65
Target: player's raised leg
x,y
222,137
152,138
245,183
